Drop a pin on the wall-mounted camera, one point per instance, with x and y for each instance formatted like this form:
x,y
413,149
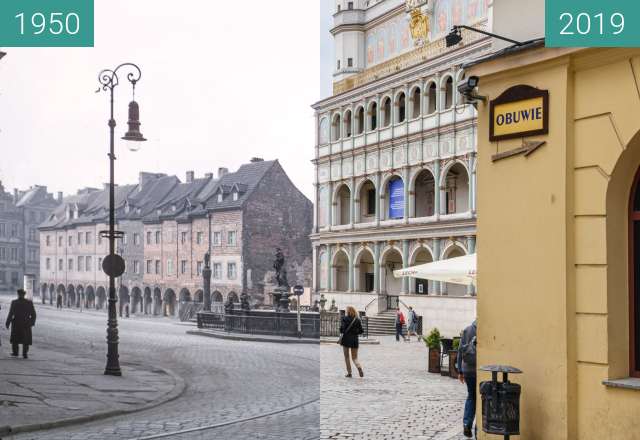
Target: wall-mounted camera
x,y
467,88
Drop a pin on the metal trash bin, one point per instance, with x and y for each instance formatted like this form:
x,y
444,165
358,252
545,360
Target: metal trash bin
x,y
500,402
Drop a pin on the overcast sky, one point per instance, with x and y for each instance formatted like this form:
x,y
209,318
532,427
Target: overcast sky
x,y
222,82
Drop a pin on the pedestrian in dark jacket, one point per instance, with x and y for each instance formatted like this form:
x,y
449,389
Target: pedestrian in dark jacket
x,y
21,317
350,329
466,364
59,301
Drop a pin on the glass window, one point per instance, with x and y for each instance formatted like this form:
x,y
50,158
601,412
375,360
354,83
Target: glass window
x,y
88,264
217,271
14,254
136,238
217,238
199,268
231,238
199,237
3,229
48,263
231,271
136,267
3,277
48,240
60,265
148,266
157,266
183,237
158,237
79,237
148,237
70,265
169,266
80,264
183,266
87,237
69,240
59,241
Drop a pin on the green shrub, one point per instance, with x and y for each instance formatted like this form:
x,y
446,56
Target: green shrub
x,y
433,340
456,344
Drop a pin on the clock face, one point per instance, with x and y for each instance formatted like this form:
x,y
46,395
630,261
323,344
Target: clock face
x,y
324,131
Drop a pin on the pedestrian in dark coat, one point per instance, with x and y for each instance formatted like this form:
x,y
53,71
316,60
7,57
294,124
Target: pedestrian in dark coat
x,y
350,329
21,317
466,365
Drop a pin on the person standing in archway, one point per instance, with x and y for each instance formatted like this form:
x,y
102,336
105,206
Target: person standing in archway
x,y
21,317
59,301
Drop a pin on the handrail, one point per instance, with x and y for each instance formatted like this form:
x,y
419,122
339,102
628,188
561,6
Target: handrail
x,y
366,308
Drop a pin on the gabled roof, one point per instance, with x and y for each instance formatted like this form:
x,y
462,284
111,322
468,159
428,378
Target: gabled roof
x,y
244,181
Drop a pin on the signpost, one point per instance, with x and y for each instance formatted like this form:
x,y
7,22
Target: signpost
x,y
298,291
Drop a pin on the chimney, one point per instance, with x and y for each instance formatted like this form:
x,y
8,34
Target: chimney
x,y
190,175
256,159
16,195
208,175
59,197
145,178
222,171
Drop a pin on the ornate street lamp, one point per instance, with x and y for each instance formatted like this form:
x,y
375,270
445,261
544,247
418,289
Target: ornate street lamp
x,y
113,265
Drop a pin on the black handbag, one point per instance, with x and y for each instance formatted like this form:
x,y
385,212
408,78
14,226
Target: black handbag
x,y
347,330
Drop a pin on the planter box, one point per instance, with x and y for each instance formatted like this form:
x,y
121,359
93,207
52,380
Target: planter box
x,y
434,360
453,358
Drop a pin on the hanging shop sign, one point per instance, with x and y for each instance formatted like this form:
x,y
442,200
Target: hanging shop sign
x,y
396,198
519,111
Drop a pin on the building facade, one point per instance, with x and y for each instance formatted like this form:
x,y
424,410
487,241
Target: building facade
x,y
239,218
395,158
20,215
561,300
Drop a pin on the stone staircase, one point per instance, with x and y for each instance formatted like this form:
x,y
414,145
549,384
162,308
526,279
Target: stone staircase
x,y
383,324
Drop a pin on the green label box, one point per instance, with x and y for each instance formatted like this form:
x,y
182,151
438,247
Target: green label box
x,y
46,23
592,23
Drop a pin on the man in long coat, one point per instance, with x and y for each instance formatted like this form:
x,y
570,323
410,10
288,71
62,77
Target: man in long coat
x,y
21,317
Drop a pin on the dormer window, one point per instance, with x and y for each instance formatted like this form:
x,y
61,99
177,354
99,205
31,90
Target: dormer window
x,y
219,197
235,196
173,208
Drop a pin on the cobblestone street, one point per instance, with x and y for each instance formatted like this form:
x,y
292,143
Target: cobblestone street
x,y
397,399
227,382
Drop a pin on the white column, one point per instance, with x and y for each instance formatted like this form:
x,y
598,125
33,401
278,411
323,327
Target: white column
x,y
378,192
352,207
405,181
351,268
436,188
376,267
405,264
330,205
314,270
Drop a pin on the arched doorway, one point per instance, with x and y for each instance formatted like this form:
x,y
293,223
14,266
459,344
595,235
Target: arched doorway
x,y
233,297
62,295
157,302
216,297
424,194
342,203
364,268
391,260
80,300
71,296
341,271
123,298
52,293
420,286
101,298
169,303
450,288
456,186
148,301
198,296
90,294
44,291
367,202
136,300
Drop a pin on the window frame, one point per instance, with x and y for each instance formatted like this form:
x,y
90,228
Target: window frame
x,y
633,216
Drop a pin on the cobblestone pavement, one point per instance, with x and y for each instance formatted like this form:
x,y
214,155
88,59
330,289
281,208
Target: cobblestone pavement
x,y
55,386
226,380
397,399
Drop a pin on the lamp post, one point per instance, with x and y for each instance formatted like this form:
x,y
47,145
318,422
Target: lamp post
x,y
113,264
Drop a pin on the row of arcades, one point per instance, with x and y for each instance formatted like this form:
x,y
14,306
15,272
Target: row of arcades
x,y
141,301
423,197
395,107
368,267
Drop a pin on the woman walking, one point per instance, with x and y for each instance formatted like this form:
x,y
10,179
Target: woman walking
x,y
350,329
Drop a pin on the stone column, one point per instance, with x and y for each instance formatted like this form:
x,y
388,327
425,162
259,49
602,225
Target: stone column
x,y
378,192
314,270
437,285
405,264
330,267
471,248
378,121
436,189
351,268
405,187
330,204
316,204
376,267
352,203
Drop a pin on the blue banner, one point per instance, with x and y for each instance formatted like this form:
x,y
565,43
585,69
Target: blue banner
x,y
396,198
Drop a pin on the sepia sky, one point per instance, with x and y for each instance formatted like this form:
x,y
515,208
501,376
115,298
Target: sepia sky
x,y
222,82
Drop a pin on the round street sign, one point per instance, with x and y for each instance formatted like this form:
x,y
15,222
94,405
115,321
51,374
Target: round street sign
x,y
298,290
113,265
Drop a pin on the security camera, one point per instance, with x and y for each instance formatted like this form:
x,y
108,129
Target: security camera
x,y
467,88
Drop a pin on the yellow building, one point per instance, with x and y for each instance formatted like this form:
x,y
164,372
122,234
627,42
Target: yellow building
x,y
557,241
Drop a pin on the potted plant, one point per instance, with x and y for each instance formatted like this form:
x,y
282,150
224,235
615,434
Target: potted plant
x,y
432,341
453,358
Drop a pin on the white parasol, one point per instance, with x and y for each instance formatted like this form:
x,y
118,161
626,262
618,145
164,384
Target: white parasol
x,y
458,270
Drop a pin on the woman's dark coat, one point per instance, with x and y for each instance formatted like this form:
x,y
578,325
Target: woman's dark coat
x,y
350,338
21,317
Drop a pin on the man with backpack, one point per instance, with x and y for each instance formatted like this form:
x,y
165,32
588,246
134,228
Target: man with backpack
x,y
466,365
399,324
